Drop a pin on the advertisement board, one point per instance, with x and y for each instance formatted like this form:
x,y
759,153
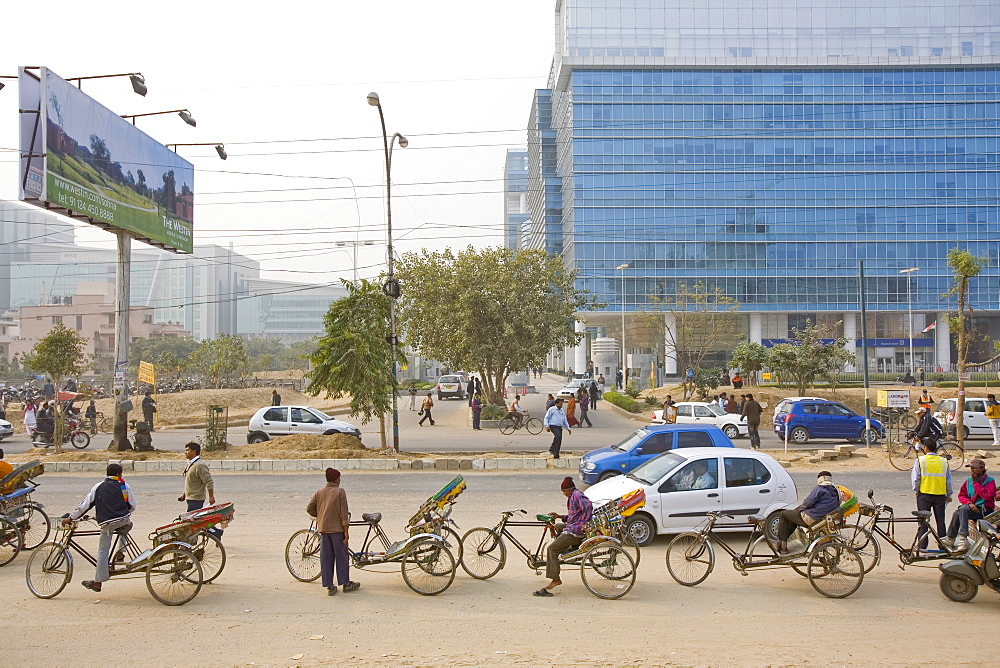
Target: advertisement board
x,y
893,399
80,157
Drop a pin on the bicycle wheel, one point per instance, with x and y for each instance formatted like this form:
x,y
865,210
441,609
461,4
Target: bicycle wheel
x,y
453,542
80,439
428,567
901,455
835,569
908,422
174,576
690,558
32,522
106,425
534,426
11,541
507,426
484,554
865,544
212,555
302,555
953,452
607,571
49,570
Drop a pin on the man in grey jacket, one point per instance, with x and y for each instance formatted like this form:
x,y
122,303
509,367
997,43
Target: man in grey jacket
x,y
329,507
198,483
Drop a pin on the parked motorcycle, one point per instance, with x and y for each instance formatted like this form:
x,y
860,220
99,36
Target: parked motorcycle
x,y
961,578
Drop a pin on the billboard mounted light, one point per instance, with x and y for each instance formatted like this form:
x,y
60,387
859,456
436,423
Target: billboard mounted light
x,y
138,81
138,84
183,113
219,147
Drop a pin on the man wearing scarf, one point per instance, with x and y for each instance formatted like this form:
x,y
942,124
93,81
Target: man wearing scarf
x,y
579,510
113,501
823,500
329,507
977,498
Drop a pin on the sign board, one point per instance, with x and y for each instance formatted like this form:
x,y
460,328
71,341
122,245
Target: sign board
x,y
121,376
965,377
80,158
147,373
765,376
893,399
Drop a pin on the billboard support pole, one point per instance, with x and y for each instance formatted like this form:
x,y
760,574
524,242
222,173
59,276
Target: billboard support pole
x,y
123,267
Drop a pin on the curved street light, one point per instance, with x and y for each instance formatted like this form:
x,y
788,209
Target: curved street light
x,y
391,287
183,113
138,81
219,147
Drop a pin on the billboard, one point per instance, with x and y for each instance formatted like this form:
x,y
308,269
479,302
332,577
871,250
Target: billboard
x,y
80,157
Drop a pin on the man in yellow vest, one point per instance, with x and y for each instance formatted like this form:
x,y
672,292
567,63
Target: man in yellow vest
x,y
931,480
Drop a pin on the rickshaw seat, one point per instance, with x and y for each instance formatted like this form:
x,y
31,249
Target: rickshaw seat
x,y
922,513
122,530
372,518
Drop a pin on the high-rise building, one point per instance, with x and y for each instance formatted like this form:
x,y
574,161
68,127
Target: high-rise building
x,y
515,187
762,148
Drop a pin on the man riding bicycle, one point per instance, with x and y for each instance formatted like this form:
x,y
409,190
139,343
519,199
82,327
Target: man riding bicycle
x,y
515,412
928,429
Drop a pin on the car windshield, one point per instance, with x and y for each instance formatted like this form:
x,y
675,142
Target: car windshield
x,y
450,379
630,441
320,414
715,409
656,468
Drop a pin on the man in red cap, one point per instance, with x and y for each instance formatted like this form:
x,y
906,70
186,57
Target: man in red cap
x,y
571,534
329,507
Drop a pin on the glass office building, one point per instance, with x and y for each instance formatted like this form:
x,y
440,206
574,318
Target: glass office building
x,y
766,147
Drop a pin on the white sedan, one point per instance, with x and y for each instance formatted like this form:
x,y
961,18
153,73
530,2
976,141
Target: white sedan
x,y
700,412
682,485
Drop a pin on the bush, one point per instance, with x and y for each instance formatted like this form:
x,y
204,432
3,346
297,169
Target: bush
x,y
631,389
493,412
652,401
622,401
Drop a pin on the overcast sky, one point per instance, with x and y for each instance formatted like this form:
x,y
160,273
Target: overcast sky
x,y
283,86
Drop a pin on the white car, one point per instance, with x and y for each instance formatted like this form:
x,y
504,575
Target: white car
x,y
787,400
975,421
700,412
450,386
6,429
274,421
573,386
682,485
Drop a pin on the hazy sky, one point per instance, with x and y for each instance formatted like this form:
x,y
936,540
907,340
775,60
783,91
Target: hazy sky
x,y
283,86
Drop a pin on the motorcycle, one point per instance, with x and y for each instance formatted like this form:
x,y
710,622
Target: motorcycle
x,y
961,578
74,434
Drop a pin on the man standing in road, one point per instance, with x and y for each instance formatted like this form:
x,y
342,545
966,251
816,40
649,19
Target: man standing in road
x,y
993,415
148,408
198,483
555,421
329,507
113,501
412,391
751,413
931,480
571,533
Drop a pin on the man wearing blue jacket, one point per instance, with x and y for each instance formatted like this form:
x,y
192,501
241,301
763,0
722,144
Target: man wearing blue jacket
x,y
823,500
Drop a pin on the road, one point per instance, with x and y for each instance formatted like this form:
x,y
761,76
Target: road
x,y
256,613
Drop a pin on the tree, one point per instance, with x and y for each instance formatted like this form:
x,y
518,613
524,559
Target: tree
x,y
167,353
224,357
750,357
59,354
807,357
492,311
353,357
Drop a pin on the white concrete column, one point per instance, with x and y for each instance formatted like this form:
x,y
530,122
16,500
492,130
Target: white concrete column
x,y
942,342
567,359
851,334
669,347
580,352
756,327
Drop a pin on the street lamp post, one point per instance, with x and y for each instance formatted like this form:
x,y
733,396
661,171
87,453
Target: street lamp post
x,y
623,267
355,244
391,287
909,310
183,113
220,148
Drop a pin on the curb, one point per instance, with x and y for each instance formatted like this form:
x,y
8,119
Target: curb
x,y
435,464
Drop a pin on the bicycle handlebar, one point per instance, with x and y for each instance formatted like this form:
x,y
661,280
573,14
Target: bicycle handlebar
x,y
509,513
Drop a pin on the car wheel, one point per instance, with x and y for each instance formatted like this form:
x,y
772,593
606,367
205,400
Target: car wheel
x,y
732,431
965,430
608,474
799,435
257,438
771,525
440,397
642,528
330,432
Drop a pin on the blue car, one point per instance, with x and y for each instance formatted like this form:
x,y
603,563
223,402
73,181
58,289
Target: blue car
x,y
810,419
645,443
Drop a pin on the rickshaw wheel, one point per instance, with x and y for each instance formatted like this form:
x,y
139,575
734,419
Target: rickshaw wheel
x,y
174,576
302,555
32,522
11,541
49,570
210,552
607,571
484,553
690,558
428,567
835,569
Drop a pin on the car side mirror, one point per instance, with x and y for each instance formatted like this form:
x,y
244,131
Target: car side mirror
x,y
637,451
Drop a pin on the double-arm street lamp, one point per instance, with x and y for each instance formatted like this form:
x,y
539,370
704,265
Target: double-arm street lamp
x,y
909,309
622,268
391,287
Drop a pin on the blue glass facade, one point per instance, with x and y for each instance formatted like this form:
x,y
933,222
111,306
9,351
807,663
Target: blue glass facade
x,y
515,187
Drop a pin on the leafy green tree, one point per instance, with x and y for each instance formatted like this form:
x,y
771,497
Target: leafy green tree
x,y
353,358
59,354
750,357
807,358
221,358
492,311
706,380
167,353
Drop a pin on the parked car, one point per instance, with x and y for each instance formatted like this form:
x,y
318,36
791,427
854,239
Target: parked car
x,y
573,386
700,412
451,386
274,421
974,421
787,400
682,485
645,443
811,419
6,429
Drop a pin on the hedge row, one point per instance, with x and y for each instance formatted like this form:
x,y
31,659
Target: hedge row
x,y
622,401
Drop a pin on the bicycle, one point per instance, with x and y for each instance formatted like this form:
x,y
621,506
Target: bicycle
x,y
901,456
606,569
896,417
833,567
172,572
17,506
509,425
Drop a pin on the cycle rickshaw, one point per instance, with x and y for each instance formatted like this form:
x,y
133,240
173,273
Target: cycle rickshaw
x,y
17,509
172,571
606,567
425,558
193,528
